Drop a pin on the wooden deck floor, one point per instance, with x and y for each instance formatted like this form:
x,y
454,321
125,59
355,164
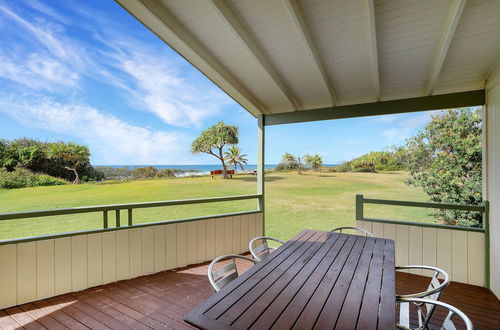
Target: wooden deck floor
x,y
161,300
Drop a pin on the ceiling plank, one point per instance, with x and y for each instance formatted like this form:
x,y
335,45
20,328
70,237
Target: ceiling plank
x,y
301,26
162,23
424,103
249,43
373,47
444,44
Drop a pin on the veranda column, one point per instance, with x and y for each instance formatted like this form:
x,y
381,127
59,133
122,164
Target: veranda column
x,y
493,174
261,141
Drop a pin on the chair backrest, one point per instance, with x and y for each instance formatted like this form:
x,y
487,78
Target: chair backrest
x,y
358,231
447,323
262,250
433,292
223,275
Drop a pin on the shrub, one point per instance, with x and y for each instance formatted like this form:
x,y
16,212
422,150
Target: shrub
x,y
289,166
21,178
166,173
144,172
445,159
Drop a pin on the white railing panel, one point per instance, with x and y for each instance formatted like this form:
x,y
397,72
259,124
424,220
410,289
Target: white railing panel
x,y
460,253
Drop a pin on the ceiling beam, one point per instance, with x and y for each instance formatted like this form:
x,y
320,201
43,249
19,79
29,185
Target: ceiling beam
x,y
444,44
373,47
234,24
161,22
305,35
434,102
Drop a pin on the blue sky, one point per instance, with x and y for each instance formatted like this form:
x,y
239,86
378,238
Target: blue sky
x,y
88,72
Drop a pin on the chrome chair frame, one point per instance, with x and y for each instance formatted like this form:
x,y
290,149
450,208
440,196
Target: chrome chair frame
x,y
433,292
220,278
262,250
365,232
447,322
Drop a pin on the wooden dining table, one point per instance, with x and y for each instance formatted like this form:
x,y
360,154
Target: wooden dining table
x,y
316,280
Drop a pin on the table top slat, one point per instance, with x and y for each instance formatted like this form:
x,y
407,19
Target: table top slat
x,y
318,297
369,307
317,279
331,309
275,302
282,253
387,316
352,303
287,318
248,291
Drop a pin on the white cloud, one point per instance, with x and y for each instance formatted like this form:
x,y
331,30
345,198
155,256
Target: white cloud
x,y
404,125
52,60
111,140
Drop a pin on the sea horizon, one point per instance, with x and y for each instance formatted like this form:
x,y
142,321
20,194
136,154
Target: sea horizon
x,y
198,169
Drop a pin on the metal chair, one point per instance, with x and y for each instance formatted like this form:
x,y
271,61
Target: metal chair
x,y
225,274
448,324
262,250
359,231
433,292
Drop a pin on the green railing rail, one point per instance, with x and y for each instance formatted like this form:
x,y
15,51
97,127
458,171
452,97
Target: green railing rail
x,y
484,209
117,208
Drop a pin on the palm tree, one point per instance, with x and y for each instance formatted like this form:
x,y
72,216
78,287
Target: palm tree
x,y
235,158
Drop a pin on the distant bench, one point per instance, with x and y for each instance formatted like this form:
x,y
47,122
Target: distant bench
x,y
219,172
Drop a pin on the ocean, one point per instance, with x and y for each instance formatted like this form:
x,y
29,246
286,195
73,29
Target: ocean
x,y
194,169
200,169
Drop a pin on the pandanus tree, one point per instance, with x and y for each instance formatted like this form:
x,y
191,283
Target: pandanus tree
x,y
73,156
313,161
235,158
213,140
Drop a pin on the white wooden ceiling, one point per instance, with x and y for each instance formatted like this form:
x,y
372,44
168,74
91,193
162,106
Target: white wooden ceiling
x,y
276,56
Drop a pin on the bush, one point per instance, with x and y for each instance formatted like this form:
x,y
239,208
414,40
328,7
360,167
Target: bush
x,y
286,167
166,173
21,178
144,172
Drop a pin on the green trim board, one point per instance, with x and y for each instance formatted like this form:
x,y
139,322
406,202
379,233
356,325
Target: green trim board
x,y
434,102
149,224
424,224
118,207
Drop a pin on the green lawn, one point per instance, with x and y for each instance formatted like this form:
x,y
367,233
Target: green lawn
x,y
313,200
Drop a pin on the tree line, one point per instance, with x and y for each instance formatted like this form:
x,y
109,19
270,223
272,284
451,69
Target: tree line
x,y
28,162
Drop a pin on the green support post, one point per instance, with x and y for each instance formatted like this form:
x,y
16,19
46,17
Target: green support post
x,y
105,219
117,212
261,140
130,217
359,207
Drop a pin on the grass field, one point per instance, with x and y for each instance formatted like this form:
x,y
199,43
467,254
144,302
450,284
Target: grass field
x,y
313,200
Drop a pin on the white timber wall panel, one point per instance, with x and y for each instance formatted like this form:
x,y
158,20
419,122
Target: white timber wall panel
x,y
109,257
171,246
459,253
8,275
148,258
122,254
45,269
160,252
79,262
201,233
26,272
42,269
94,255
62,265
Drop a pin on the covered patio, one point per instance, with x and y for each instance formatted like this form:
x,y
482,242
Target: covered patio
x,y
161,300
285,62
